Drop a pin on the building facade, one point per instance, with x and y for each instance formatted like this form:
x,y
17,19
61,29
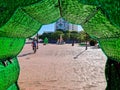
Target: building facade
x,y
64,25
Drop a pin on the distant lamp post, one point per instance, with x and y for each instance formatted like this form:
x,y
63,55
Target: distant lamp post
x,y
86,41
61,39
37,40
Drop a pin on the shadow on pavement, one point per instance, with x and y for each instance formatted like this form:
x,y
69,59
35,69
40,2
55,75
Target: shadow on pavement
x,y
79,54
25,54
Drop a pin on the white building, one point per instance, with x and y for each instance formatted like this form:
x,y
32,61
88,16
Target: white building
x,y
61,24
64,25
73,27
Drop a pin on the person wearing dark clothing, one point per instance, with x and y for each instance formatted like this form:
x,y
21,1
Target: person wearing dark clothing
x,y
34,46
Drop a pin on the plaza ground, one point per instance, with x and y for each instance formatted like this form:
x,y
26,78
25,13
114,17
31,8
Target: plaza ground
x,y
62,67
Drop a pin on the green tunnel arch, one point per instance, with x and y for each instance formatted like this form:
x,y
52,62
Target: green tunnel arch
x,y
20,19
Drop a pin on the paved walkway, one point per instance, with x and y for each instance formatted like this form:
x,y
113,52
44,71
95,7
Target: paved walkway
x,y
62,67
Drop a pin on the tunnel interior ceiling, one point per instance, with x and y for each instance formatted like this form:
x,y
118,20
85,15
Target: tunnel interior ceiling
x,y
22,19
110,9
75,12
45,12
100,27
8,7
20,25
25,19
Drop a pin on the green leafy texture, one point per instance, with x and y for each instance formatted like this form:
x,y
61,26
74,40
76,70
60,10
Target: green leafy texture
x,y
10,47
20,25
112,11
111,47
46,11
112,74
99,27
8,7
9,74
110,8
13,87
75,12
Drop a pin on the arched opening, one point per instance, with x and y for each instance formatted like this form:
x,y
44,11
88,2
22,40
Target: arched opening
x,y
61,64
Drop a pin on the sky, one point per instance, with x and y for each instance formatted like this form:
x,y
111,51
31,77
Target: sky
x,y
51,28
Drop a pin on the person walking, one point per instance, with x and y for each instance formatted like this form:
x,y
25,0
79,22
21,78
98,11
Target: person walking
x,y
34,45
45,41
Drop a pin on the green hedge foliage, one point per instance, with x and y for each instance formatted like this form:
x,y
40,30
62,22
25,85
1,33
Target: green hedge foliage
x,y
10,47
9,74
